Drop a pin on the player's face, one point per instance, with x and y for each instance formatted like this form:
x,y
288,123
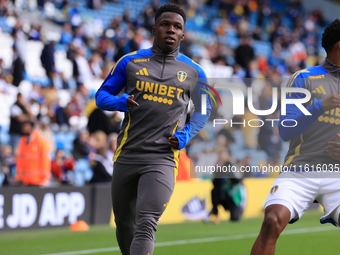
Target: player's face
x,y
168,31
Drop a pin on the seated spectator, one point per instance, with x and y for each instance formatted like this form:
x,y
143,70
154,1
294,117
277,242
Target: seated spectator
x,y
249,133
46,131
100,163
110,152
33,157
60,115
61,165
81,146
268,138
98,140
66,34
95,64
102,171
81,68
35,32
91,103
75,106
99,121
116,121
7,164
246,162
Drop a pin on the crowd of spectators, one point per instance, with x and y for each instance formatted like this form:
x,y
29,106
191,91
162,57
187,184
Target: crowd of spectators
x,y
243,40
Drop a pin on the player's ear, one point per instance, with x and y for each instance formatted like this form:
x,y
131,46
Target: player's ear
x,y
153,31
182,37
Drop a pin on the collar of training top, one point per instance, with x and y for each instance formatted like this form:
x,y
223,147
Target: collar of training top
x,y
330,67
159,53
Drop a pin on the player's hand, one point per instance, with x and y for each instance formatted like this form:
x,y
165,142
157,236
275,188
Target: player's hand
x,y
331,102
173,141
130,102
334,149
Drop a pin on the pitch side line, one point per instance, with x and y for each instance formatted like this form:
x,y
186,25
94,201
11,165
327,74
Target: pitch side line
x,y
200,240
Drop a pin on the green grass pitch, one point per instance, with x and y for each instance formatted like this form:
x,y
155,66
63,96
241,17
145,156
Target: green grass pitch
x,y
307,236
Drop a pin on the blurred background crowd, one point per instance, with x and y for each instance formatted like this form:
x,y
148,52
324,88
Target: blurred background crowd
x,y
54,55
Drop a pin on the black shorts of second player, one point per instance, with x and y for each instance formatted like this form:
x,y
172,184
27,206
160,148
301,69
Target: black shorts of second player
x,y
140,194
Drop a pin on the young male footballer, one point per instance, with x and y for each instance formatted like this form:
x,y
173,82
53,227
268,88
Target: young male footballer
x,y
313,158
157,84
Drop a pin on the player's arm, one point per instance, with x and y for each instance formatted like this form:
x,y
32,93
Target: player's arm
x,y
197,120
106,96
293,112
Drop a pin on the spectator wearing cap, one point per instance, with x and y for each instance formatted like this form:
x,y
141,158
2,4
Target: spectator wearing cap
x,y
33,157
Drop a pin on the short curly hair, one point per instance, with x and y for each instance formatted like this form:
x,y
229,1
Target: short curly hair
x,y
331,35
170,8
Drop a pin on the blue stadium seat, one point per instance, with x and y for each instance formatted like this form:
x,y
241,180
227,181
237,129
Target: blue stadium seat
x,y
284,150
232,42
61,47
65,140
4,26
238,136
253,17
2,178
258,156
278,6
287,21
82,172
4,135
237,152
262,48
231,33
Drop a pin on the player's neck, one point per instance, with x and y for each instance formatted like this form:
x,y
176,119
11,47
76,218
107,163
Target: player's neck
x,y
334,58
164,52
